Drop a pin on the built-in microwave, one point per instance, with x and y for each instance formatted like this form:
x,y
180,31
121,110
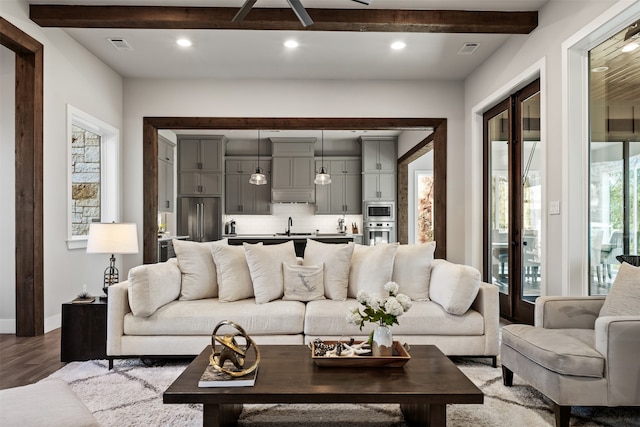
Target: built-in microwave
x,y
379,211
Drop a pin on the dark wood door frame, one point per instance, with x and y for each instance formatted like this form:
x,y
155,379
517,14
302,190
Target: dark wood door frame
x,y
29,174
438,141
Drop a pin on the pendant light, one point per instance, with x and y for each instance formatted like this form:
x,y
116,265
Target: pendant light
x,y
322,178
258,178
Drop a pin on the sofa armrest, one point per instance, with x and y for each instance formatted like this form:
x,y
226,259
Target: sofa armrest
x,y
617,338
566,312
117,307
487,304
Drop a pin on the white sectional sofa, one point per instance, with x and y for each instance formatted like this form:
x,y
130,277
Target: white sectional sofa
x,y
170,309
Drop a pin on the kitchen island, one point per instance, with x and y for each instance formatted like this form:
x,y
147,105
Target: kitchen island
x,y
299,239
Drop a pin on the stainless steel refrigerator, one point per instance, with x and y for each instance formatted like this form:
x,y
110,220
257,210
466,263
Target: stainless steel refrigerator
x,y
199,218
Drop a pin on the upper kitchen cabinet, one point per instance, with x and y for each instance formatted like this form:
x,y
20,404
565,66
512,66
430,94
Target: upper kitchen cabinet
x,y
200,170
166,197
343,195
379,154
378,186
241,197
292,170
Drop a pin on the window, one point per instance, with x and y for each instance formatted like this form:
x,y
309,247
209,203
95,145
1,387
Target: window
x,y
614,156
93,174
424,186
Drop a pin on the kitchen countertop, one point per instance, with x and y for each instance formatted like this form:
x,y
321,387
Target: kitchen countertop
x,y
164,239
290,237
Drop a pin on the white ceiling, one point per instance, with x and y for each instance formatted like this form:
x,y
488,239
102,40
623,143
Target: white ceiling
x,y
243,54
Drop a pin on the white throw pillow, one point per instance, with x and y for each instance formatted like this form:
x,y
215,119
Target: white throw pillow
x,y
198,270
453,286
371,268
336,260
624,296
153,285
412,269
234,278
265,264
303,282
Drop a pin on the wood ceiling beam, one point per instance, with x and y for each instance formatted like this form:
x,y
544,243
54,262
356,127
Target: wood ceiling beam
x,y
359,20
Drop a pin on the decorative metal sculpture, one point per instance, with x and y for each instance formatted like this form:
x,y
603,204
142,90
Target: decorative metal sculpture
x,y
231,351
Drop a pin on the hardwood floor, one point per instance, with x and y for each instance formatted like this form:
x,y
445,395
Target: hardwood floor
x,y
26,360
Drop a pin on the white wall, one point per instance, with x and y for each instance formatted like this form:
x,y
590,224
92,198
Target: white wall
x,y
511,66
7,191
71,76
211,98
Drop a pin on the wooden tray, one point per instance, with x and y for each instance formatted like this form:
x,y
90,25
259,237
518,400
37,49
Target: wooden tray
x,y
399,358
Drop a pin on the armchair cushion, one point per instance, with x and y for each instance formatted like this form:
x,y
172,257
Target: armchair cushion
x,y
624,296
564,351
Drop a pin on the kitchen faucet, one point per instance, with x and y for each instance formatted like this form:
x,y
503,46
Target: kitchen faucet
x,y
289,224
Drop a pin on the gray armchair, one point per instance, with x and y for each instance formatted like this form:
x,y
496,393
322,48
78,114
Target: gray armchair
x,y
574,356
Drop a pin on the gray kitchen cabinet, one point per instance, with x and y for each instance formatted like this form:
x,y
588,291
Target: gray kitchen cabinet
x,y
378,186
200,171
343,195
166,196
379,154
241,197
292,171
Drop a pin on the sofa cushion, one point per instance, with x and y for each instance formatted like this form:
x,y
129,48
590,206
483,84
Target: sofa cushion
x,y
153,285
453,286
371,268
336,260
303,282
412,269
328,318
200,317
265,264
198,270
557,350
624,296
234,278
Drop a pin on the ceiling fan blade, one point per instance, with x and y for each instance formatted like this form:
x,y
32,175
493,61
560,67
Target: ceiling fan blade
x,y
300,12
244,10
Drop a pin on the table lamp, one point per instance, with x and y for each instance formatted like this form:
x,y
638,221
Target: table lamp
x,y
112,238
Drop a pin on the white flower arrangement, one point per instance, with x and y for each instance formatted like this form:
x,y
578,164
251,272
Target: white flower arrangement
x,y
379,309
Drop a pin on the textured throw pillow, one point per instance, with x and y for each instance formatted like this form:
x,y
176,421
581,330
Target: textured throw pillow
x,y
234,278
153,285
265,264
336,262
412,269
453,286
303,282
198,270
624,296
371,268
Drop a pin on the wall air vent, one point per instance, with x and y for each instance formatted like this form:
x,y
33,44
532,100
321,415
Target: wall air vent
x,y
468,48
119,43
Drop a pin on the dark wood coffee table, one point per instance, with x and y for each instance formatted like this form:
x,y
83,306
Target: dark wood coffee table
x,y
287,374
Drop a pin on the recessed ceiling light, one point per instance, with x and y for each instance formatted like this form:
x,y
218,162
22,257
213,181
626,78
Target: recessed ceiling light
x,y
630,47
291,44
398,45
600,69
184,42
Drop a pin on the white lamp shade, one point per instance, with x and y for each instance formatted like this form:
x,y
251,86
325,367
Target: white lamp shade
x,y
112,238
258,178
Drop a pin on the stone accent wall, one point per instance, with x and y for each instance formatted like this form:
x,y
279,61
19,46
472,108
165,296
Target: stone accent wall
x,y
85,180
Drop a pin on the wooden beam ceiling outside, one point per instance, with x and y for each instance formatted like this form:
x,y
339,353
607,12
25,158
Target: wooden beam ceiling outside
x,y
220,18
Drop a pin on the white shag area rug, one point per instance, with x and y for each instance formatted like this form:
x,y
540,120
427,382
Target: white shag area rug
x,y
131,395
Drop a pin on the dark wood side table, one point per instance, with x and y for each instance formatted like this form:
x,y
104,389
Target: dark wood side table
x,y
84,331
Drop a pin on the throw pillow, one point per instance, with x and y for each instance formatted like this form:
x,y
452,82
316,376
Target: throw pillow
x,y
303,282
624,295
336,260
198,270
265,265
453,286
412,269
153,285
234,279
371,268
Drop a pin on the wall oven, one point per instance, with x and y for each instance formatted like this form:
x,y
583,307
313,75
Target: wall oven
x,y
379,211
376,232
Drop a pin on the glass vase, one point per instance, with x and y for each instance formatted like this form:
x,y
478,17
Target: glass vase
x,y
382,344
